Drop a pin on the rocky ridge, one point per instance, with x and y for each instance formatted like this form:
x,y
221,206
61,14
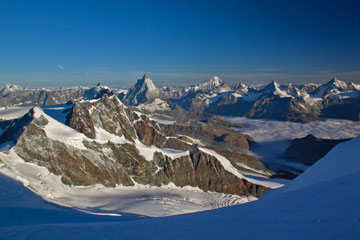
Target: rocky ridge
x,y
105,142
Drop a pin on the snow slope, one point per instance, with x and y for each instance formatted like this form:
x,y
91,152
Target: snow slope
x,y
327,208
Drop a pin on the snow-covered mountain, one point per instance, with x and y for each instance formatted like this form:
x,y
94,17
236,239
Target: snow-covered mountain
x,y
322,203
214,84
54,150
147,97
335,99
143,91
9,88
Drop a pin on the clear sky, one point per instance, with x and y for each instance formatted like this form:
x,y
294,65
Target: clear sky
x,y
177,43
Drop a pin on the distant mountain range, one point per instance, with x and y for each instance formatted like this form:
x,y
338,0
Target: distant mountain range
x,y
301,103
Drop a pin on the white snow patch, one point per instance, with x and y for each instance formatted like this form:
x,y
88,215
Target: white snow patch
x,y
148,151
237,95
60,132
8,113
103,136
162,121
156,105
344,95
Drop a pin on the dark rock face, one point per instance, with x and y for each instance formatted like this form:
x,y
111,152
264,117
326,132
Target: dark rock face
x,y
348,108
204,171
309,149
212,136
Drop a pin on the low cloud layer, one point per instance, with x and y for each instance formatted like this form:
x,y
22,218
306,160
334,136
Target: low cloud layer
x,y
267,130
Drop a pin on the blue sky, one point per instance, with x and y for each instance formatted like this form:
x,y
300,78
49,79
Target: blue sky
x,y
178,43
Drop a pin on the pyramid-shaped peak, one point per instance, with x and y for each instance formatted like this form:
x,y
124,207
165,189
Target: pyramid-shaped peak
x,y
335,82
145,81
272,86
146,77
143,90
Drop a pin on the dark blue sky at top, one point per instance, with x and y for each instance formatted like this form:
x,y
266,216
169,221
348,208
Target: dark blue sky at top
x,y
178,43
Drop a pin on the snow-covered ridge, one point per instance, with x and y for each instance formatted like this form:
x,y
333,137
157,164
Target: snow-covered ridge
x,y
60,132
8,88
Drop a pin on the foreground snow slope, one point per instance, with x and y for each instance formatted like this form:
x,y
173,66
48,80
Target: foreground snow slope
x,y
20,206
315,206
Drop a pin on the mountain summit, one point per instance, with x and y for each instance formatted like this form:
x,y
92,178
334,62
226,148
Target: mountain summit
x,y
143,91
214,83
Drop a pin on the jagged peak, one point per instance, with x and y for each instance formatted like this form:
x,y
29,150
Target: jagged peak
x,y
216,81
336,83
272,86
212,83
146,82
10,88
